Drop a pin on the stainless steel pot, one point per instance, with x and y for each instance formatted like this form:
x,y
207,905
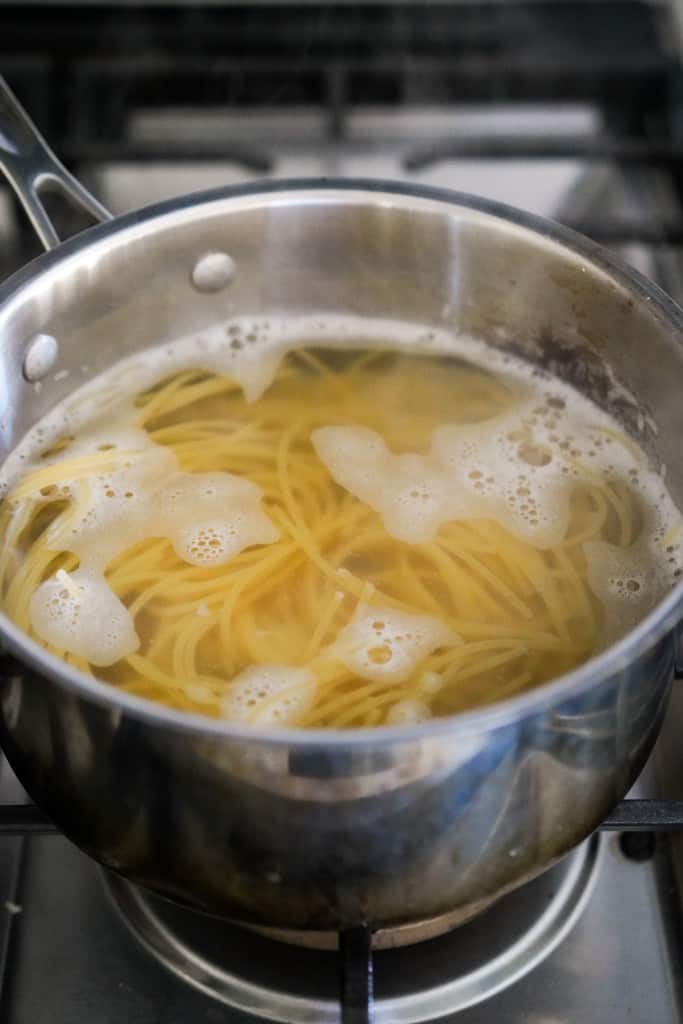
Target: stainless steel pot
x,y
315,830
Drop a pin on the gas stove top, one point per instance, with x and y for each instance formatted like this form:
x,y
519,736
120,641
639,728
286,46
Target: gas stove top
x,y
595,938
570,109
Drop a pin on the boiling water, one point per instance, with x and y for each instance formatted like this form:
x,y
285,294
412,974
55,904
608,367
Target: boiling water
x,y
320,527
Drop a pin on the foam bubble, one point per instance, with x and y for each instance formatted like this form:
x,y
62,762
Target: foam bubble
x,y
211,517
270,695
111,511
429,684
624,583
115,434
509,469
408,712
629,581
79,613
518,468
208,517
381,643
412,493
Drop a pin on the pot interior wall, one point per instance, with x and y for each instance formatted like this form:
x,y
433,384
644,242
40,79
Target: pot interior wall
x,y
373,254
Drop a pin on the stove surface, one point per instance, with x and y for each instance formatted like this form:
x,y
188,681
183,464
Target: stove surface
x,y
68,956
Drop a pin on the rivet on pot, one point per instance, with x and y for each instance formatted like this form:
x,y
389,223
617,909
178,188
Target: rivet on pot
x,y
40,356
213,271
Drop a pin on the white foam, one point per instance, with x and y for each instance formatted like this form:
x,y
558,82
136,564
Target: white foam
x,y
412,493
249,350
208,517
408,712
623,581
79,613
211,517
629,581
383,644
116,434
518,468
113,511
429,684
270,695
513,468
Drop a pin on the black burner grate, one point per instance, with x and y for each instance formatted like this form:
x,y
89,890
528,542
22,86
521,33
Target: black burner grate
x,y
628,816
84,74
636,819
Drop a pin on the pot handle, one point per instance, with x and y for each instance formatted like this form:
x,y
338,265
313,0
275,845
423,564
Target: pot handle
x,y
30,166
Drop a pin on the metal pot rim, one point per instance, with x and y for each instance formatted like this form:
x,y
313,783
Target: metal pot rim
x,y
655,625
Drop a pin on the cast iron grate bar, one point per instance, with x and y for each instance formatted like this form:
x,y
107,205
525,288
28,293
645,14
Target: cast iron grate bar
x,y
645,816
605,36
356,975
24,820
251,158
543,147
628,816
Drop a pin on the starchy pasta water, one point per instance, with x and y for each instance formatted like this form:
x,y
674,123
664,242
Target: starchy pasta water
x,y
349,527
